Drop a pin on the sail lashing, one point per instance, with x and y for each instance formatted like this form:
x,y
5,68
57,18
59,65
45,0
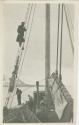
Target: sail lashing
x,y
60,95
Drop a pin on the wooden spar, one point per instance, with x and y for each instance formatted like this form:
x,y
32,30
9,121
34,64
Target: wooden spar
x,y
47,46
37,86
47,52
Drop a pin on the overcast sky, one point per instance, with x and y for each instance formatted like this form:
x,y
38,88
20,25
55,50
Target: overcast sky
x,y
34,63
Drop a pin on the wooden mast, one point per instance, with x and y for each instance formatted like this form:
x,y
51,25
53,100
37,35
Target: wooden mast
x,y
47,52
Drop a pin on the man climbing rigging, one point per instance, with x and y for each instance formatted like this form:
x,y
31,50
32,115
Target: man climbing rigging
x,y
18,93
21,29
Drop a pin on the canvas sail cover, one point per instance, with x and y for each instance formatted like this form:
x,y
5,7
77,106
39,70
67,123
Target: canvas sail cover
x,y
58,93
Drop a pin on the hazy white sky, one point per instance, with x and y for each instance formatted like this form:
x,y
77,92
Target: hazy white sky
x,y
34,64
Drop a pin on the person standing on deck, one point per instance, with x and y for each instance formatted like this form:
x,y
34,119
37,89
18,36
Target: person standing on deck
x,y
21,29
18,93
30,102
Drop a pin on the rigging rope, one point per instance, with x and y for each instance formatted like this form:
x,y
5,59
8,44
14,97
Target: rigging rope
x,y
27,24
61,42
68,28
70,19
20,53
26,20
27,12
27,43
24,54
58,37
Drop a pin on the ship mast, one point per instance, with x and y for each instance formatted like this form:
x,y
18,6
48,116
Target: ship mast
x,y
47,53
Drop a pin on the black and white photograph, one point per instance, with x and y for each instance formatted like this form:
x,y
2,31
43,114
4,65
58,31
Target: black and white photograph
x,y
38,74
